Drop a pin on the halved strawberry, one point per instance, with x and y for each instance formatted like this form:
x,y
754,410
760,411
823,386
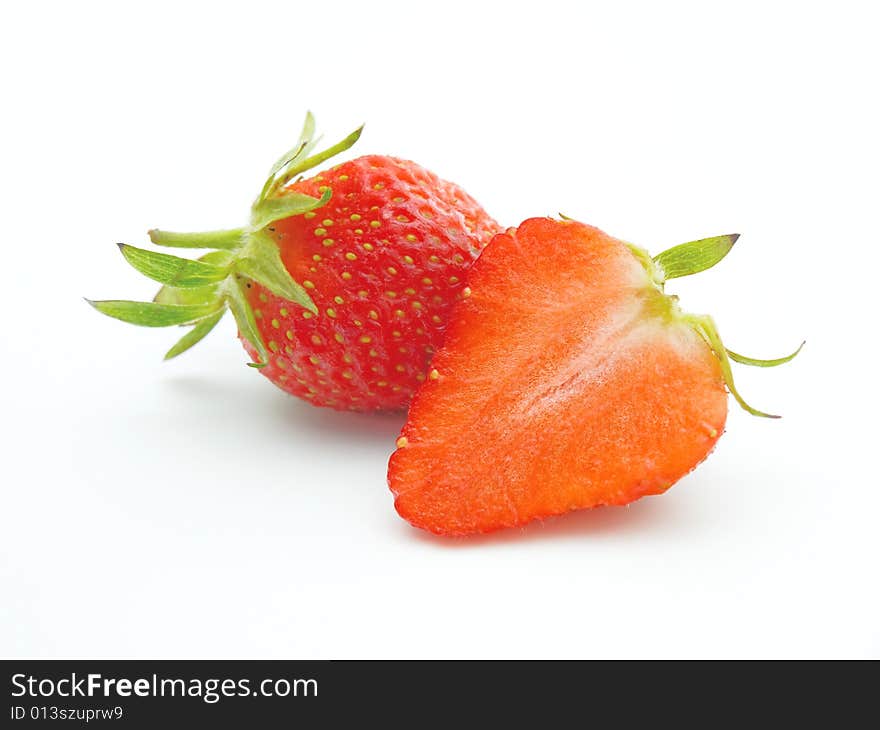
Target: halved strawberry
x,y
568,380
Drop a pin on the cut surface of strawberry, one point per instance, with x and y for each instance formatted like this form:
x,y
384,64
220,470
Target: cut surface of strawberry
x,y
569,379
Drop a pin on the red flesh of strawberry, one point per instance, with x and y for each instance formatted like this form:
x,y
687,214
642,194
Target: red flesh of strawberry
x,y
568,380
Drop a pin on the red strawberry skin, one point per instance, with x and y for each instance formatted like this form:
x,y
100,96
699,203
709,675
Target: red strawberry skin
x,y
563,384
384,261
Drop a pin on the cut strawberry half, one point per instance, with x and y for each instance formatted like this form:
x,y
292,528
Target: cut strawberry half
x,y
569,379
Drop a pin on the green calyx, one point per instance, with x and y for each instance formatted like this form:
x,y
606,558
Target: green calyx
x,y
692,258
198,292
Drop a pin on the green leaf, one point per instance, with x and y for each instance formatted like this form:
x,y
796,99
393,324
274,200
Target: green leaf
x,y
219,258
706,327
316,160
153,314
694,256
286,159
247,323
765,363
195,335
195,295
304,144
269,210
296,165
262,263
228,240
172,270
199,294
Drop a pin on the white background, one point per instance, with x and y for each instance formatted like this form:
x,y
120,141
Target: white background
x,y
189,509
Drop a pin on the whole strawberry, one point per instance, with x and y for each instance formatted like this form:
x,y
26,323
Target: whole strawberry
x,y
341,285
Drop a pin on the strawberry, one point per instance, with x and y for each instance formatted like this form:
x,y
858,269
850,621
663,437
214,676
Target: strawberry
x,y
342,284
569,379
